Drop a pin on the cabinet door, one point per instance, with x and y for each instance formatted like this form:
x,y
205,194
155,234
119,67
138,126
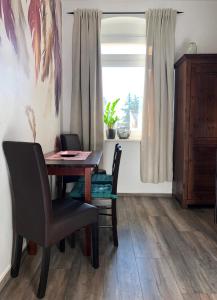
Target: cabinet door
x,y
202,170
203,134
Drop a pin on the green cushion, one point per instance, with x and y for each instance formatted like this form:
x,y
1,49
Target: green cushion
x,y
99,179
97,191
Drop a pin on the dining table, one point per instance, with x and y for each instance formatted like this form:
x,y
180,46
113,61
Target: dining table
x,y
82,164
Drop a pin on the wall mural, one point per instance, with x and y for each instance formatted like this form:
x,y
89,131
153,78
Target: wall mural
x,y
44,22
30,88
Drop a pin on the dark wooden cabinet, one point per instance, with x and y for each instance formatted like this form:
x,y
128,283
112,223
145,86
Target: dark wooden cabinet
x,y
195,129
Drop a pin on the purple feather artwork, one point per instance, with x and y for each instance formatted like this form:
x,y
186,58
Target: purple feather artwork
x,y
20,30
47,12
7,15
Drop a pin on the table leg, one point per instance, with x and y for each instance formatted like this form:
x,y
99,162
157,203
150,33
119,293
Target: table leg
x,y
87,195
59,186
32,248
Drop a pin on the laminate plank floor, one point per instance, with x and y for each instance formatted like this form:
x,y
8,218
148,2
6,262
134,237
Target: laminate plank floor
x,y
165,252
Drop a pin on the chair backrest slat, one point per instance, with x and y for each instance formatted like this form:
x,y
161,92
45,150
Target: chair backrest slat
x,y
115,167
31,199
114,157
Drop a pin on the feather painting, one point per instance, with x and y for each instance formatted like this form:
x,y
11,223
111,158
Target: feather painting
x,y
44,22
0,9
6,14
57,56
56,12
34,19
20,30
48,37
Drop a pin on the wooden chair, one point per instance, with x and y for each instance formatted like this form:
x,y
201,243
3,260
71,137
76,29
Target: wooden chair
x,y
99,178
35,216
104,191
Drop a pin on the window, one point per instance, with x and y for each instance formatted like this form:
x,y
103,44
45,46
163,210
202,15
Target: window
x,y
123,61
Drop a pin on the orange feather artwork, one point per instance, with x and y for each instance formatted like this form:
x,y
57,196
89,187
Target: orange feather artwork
x,y
34,19
48,36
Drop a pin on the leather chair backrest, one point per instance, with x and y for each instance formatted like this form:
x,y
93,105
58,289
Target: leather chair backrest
x,y
70,141
115,167
31,199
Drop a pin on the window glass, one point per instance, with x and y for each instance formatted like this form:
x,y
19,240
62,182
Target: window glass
x,y
123,59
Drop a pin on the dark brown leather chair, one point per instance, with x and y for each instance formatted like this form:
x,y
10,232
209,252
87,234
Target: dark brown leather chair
x,y
70,141
35,216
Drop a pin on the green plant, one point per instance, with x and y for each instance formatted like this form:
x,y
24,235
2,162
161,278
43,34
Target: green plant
x,y
110,117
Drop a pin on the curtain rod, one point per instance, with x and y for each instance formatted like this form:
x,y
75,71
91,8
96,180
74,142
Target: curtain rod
x,y
123,13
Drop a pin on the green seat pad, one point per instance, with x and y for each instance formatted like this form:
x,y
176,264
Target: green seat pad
x,y
97,191
99,179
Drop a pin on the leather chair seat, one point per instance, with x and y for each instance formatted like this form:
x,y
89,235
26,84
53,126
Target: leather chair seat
x,y
70,215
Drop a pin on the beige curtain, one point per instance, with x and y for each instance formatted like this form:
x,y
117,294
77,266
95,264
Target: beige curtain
x,y
157,128
87,100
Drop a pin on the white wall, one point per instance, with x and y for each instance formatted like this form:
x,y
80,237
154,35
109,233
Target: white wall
x,y
198,23
18,89
129,174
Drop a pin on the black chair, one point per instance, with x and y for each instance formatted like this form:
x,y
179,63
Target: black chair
x,y
71,141
35,216
104,191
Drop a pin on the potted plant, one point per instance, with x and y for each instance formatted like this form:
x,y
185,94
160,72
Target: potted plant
x,y
110,118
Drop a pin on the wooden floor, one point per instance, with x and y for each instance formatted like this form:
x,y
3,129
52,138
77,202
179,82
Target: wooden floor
x,y
164,252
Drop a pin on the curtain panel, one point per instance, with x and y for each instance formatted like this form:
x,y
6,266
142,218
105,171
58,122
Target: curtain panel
x,y
157,127
87,98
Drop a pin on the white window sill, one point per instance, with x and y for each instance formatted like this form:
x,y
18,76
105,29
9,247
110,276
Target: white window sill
x,y
137,140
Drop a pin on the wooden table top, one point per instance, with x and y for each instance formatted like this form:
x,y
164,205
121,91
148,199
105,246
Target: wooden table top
x,y
93,160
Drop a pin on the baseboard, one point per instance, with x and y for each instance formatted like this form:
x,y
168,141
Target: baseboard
x,y
146,195
5,277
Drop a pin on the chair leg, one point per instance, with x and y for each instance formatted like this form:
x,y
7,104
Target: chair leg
x,y
64,190
17,253
72,240
114,223
95,245
62,245
44,272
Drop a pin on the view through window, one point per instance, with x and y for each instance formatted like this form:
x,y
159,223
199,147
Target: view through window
x,y
127,84
123,59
